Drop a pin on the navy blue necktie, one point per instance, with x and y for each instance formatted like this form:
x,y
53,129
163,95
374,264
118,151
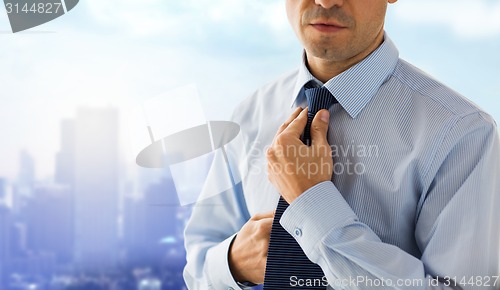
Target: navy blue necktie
x,y
285,257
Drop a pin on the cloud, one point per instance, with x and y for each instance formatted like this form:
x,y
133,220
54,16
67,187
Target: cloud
x,y
179,17
477,19
248,26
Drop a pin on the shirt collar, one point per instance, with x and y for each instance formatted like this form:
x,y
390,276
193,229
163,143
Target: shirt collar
x,y
355,87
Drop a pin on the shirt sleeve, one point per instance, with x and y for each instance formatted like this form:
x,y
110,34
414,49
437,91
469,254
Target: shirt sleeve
x,y
208,236
456,229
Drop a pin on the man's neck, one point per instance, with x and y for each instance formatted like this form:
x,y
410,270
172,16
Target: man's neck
x,y
325,69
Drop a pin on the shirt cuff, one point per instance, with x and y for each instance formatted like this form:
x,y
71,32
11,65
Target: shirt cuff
x,y
219,274
314,214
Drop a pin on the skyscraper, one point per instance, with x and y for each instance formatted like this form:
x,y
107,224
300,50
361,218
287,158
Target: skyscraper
x,y
96,188
65,159
151,221
3,188
23,188
5,225
26,176
50,222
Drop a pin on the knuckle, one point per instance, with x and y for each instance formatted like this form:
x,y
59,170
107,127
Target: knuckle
x,y
260,227
255,217
281,139
270,152
316,127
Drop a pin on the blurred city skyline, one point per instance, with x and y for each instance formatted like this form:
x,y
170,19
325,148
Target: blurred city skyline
x,y
91,221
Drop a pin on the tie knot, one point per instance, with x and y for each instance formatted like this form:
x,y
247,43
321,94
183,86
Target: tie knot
x,y
318,99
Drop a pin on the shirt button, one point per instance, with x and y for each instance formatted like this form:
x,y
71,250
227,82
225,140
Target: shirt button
x,y
230,288
297,232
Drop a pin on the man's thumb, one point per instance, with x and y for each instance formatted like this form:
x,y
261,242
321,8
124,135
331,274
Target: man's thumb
x,y
319,127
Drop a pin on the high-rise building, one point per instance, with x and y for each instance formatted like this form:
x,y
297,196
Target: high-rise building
x,y
23,188
50,222
65,159
162,205
96,188
18,239
3,188
26,175
152,224
5,226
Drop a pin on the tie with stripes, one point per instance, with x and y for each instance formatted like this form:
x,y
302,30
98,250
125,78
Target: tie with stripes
x,y
285,257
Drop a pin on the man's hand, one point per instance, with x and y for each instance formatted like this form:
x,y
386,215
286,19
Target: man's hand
x,y
294,167
248,252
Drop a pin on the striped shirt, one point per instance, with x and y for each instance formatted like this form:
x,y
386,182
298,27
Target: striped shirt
x,y
414,202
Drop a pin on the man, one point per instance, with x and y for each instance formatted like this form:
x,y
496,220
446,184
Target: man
x,y
406,195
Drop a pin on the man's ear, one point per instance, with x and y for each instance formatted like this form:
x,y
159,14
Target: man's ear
x,y
392,1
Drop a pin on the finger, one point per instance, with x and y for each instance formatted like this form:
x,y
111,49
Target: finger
x,y
265,215
296,127
270,172
319,128
271,154
289,120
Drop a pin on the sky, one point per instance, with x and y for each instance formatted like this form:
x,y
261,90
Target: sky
x,y
121,53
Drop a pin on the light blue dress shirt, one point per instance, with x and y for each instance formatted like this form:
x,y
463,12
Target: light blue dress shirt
x,y
414,202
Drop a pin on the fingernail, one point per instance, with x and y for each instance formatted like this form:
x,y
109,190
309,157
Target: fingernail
x,y
324,116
